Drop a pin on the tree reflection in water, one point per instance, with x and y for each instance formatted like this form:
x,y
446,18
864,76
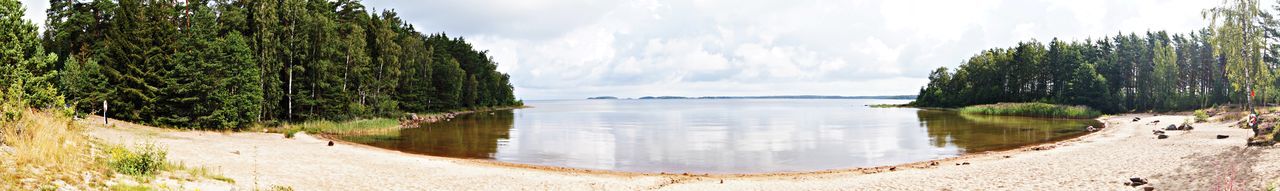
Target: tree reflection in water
x,y
980,133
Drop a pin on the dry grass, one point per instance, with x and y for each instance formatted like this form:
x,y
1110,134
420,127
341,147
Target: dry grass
x,y
46,150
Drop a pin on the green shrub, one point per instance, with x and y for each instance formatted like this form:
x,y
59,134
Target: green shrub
x,y
1201,116
145,161
1033,110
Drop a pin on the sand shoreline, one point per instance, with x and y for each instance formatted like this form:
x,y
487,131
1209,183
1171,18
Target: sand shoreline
x,y
1098,160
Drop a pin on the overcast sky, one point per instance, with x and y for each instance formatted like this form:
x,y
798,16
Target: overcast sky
x,y
572,49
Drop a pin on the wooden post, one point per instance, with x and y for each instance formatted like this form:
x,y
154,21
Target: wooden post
x,y
104,113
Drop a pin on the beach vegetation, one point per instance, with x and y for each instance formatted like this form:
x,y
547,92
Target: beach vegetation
x,y
1201,115
1033,110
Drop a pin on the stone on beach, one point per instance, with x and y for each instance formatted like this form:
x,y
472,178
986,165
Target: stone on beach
x,y
1135,181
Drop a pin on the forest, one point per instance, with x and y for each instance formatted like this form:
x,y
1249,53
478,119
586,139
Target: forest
x,y
225,64
1224,63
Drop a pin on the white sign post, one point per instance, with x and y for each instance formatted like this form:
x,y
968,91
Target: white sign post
x,y
104,113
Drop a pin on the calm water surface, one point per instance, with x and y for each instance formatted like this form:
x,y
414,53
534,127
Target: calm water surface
x,y
720,136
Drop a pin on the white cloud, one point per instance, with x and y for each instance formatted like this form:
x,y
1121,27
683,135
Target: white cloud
x,y
579,48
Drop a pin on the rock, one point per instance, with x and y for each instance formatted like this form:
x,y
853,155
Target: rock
x,y
1091,128
1148,188
1135,181
893,168
1007,156
330,143
722,181
1171,127
1260,142
965,163
1223,136
1162,137
1157,132
1136,119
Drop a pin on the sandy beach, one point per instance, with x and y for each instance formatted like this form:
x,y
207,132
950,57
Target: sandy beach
x,y
1104,160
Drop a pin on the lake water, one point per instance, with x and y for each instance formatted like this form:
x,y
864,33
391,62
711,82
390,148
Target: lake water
x,y
720,136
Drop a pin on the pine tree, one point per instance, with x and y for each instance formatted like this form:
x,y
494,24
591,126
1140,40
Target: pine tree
x,y
236,98
25,68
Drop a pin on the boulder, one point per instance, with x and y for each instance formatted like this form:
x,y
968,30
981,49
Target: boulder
x,y
1223,136
1162,137
1135,181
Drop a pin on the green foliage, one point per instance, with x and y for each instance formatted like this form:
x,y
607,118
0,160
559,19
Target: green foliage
x,y
1118,74
227,64
1221,64
145,161
25,69
1033,110
1201,115
1240,40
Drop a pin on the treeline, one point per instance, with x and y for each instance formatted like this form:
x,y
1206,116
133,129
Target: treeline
x,y
1156,71
228,63
1232,59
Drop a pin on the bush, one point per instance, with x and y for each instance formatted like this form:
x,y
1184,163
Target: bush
x,y
145,161
1201,115
1033,110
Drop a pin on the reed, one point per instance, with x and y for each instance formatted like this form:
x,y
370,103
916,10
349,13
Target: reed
x,y
1033,110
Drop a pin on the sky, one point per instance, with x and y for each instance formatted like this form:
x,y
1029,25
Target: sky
x,y
573,49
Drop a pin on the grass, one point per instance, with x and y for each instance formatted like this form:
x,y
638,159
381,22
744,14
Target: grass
x,y
1232,116
199,171
122,187
348,127
280,188
46,149
1033,110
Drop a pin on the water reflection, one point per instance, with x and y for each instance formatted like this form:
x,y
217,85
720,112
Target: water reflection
x,y
978,133
469,136
719,136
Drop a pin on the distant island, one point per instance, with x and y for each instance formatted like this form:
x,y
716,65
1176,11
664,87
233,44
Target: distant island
x,y
771,97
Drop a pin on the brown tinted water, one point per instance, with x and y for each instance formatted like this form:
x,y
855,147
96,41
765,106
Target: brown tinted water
x,y
720,136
